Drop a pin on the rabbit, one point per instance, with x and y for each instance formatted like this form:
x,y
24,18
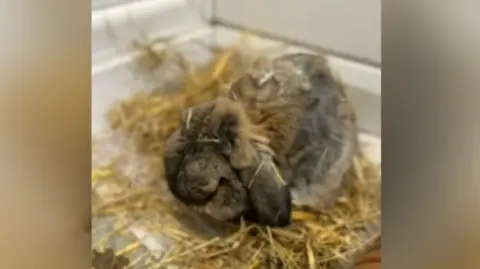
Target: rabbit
x,y
213,166
284,135
304,113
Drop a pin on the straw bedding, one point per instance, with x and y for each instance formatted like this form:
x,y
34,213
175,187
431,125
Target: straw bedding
x,y
127,182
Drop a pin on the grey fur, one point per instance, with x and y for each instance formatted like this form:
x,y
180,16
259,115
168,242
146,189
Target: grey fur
x,y
311,131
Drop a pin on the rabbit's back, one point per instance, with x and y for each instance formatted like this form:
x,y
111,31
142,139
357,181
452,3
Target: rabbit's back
x,y
304,113
325,143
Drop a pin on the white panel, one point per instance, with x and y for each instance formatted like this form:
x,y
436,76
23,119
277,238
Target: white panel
x,y
350,27
204,7
117,27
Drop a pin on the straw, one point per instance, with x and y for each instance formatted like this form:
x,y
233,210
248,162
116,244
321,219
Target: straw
x,y
313,241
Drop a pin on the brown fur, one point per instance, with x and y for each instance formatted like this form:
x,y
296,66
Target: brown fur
x,y
197,173
289,113
218,164
298,93
270,96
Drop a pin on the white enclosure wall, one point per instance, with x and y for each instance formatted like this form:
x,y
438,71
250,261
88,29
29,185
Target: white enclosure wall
x,y
348,27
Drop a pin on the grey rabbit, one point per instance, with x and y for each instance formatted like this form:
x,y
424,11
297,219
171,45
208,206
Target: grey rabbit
x,y
286,131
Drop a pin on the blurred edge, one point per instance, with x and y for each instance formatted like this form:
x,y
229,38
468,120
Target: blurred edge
x,y
430,133
45,134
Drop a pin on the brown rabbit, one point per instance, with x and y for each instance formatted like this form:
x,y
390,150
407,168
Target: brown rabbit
x,y
213,166
311,126
289,113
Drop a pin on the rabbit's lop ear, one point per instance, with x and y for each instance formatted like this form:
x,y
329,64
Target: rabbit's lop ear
x,y
269,194
173,156
226,119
